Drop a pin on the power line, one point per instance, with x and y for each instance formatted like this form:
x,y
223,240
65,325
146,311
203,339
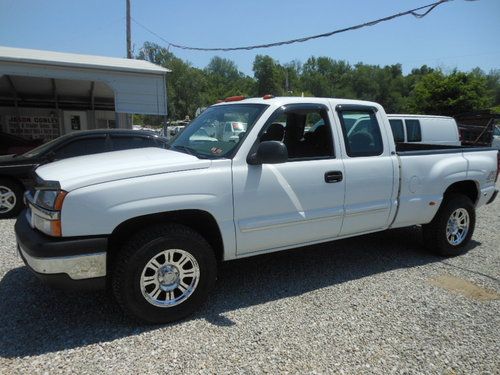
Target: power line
x,y
414,12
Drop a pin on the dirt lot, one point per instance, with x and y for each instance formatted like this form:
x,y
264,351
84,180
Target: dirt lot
x,y
373,304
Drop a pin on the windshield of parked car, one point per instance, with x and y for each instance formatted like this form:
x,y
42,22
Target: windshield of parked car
x,y
218,130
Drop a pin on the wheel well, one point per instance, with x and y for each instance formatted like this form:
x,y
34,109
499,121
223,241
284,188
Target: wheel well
x,y
467,188
200,221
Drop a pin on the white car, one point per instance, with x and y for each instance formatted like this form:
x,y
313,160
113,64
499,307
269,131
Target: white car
x,y
152,224
439,130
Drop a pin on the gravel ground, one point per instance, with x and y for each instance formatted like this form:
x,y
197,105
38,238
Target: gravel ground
x,y
376,304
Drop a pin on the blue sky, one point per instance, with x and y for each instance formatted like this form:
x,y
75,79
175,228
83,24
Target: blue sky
x,y
461,34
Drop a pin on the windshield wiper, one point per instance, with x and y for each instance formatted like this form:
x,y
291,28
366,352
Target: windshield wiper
x,y
185,149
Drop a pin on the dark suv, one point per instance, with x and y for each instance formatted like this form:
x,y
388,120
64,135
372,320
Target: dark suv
x,y
16,170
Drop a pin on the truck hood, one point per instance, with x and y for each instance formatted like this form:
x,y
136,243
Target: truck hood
x,y
88,170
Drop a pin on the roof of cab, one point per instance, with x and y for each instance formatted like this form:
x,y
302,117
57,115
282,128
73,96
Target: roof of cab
x,y
283,100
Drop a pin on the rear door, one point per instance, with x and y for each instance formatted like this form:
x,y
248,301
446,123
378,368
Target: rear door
x,y
370,170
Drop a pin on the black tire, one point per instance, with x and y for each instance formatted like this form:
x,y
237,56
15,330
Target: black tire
x,y
7,185
130,264
435,233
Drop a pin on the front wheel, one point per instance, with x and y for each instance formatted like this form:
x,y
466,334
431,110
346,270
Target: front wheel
x,y
164,273
452,227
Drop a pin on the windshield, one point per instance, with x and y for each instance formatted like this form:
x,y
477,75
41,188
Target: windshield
x,y
218,130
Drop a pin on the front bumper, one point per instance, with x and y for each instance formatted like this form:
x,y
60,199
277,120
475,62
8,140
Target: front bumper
x,y
69,263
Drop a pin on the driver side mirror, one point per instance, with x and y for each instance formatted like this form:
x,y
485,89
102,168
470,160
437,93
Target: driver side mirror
x,y
269,152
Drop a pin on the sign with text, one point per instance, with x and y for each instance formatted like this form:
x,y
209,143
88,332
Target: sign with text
x,y
33,127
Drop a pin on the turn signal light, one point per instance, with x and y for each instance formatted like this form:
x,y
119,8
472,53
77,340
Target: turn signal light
x,y
59,200
56,228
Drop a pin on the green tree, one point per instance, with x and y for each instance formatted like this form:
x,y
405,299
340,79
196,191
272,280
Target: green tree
x,y
424,90
325,77
269,75
224,79
458,92
493,83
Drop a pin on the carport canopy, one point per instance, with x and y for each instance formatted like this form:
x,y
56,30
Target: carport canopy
x,y
46,79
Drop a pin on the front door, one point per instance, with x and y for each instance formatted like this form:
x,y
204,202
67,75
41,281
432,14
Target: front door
x,y
297,202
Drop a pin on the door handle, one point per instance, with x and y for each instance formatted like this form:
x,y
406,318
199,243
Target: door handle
x,y
333,176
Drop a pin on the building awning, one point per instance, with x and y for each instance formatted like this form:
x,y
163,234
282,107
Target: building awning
x,y
34,77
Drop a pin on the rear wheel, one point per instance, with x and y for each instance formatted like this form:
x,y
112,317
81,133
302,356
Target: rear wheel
x,y
164,274
11,198
452,227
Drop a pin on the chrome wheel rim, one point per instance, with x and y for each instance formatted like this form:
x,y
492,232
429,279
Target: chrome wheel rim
x,y
169,278
457,226
8,199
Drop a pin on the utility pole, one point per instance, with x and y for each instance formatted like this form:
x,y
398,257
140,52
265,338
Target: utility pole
x,y
129,37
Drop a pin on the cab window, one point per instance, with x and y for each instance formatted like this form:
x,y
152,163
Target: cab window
x,y
305,132
361,133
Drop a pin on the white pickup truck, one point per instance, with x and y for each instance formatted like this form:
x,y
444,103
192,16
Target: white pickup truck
x,y
153,224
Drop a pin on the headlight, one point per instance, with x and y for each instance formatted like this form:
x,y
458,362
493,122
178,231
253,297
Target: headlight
x,y
50,199
46,208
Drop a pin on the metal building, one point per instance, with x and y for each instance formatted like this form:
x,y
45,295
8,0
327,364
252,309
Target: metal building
x,y
45,94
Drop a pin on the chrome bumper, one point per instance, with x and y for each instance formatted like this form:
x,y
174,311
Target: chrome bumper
x,y
77,267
